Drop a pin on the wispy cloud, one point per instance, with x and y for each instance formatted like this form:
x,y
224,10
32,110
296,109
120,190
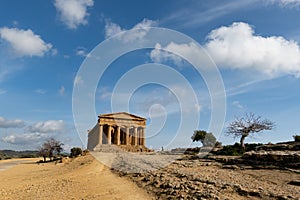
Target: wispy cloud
x,y
40,91
50,126
112,29
104,93
15,123
33,135
159,56
238,105
61,91
285,3
195,14
25,42
78,80
25,138
73,13
81,51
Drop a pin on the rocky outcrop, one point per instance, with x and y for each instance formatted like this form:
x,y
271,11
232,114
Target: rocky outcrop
x,y
285,155
207,179
280,158
283,146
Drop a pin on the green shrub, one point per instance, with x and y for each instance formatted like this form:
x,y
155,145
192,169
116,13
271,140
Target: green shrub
x,y
76,151
207,139
236,150
296,138
230,150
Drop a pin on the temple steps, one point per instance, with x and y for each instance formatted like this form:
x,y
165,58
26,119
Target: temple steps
x,y
111,148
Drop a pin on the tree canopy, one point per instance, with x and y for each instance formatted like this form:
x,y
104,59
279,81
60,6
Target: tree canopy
x,y
207,139
50,148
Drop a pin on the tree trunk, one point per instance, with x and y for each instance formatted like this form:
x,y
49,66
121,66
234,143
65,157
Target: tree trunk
x,y
242,141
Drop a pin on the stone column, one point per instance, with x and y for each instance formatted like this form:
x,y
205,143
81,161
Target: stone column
x,y
100,134
127,136
143,136
109,135
135,136
140,136
118,135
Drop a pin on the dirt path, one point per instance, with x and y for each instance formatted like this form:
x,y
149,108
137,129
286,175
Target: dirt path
x,y
6,164
83,178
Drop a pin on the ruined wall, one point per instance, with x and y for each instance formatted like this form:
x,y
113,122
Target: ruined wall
x,y
93,138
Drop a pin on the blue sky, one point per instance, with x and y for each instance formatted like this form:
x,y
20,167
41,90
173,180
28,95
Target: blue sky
x,y
255,45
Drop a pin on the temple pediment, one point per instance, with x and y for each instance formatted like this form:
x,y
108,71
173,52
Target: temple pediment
x,y
122,115
122,119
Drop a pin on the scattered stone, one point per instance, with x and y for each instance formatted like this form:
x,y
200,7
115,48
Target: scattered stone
x,y
193,179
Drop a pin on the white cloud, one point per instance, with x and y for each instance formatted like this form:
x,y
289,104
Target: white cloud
x,y
81,51
159,56
62,90
50,126
54,52
26,138
78,80
141,30
237,47
6,123
146,23
40,91
189,51
73,12
112,29
25,42
238,105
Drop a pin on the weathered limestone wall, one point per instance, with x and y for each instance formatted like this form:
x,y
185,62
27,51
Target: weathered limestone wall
x,y
93,138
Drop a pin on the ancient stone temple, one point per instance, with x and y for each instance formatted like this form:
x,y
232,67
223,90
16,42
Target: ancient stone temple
x,y
121,129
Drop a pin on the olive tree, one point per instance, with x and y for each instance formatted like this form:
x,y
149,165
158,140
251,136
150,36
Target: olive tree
x,y
244,126
50,148
76,151
207,139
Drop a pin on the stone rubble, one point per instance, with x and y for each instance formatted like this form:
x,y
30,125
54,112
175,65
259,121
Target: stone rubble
x,y
190,178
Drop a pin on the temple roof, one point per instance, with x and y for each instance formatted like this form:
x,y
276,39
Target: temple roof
x,y
122,115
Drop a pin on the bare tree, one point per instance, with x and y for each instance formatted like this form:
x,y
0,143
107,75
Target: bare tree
x,y
244,126
50,148
43,152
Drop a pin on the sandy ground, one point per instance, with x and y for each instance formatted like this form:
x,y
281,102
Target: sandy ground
x,y
83,178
